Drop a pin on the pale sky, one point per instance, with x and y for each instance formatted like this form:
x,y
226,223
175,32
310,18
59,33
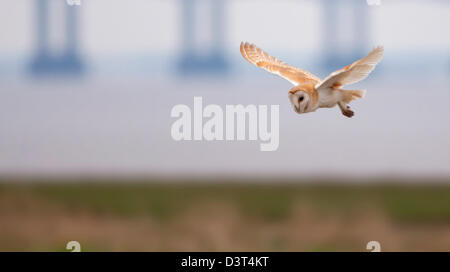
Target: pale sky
x,y
121,125
119,27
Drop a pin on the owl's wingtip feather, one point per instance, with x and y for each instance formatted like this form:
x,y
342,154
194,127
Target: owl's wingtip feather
x,y
379,48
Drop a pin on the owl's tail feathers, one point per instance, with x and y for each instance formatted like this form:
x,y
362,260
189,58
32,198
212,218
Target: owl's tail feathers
x,y
350,95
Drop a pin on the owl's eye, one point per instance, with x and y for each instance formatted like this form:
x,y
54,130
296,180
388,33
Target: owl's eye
x,y
300,98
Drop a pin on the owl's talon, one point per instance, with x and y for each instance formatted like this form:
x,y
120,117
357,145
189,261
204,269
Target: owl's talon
x,y
348,113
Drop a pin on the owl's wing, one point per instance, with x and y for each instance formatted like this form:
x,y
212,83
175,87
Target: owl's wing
x,y
258,57
354,72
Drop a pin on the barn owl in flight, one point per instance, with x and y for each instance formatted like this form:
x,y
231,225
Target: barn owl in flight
x,y
311,93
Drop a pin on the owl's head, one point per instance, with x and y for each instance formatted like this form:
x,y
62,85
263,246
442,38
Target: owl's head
x,y
300,99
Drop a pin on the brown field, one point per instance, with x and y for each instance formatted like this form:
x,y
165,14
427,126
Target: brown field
x,y
200,217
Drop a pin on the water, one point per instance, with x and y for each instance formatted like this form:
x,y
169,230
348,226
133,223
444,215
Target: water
x,y
122,127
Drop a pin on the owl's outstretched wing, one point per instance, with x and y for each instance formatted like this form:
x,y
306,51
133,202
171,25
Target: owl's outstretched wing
x,y
258,57
354,72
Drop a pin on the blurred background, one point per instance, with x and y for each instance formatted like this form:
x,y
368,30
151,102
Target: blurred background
x,y
86,152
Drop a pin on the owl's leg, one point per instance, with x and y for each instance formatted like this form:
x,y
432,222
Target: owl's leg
x,y
345,109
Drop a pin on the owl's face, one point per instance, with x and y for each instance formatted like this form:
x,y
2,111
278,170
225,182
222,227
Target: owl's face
x,y
300,100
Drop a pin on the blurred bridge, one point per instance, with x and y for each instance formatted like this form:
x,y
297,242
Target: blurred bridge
x,y
335,50
192,59
48,59
213,60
